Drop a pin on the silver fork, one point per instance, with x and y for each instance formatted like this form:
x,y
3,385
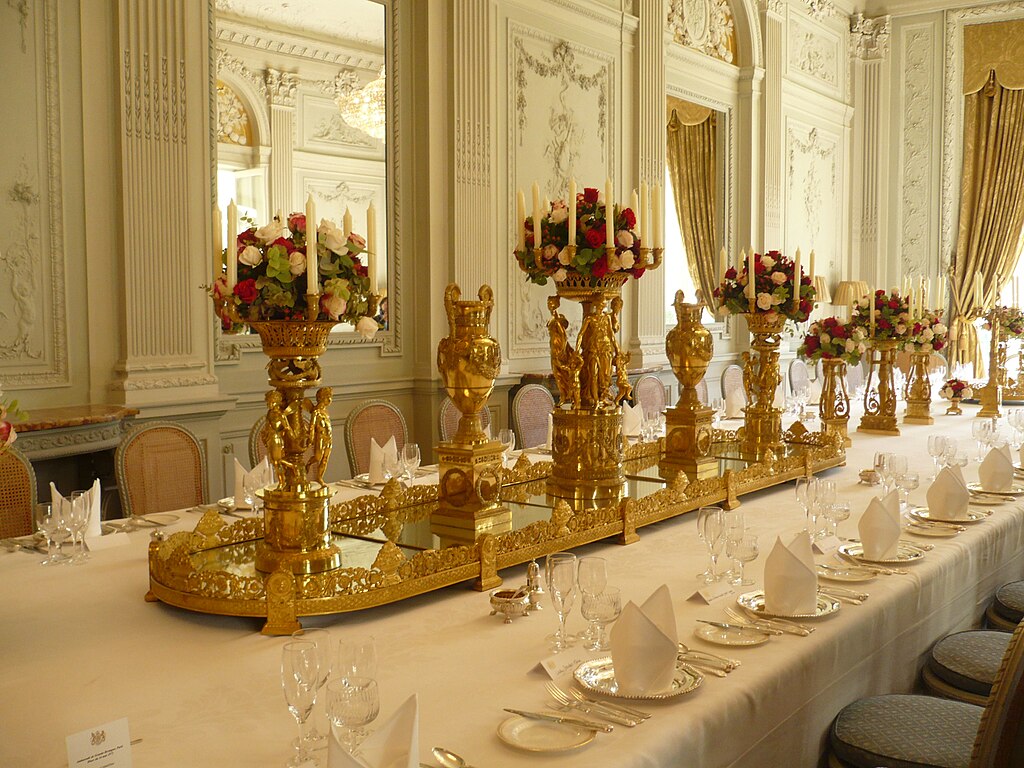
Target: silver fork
x,y
729,664
597,710
639,714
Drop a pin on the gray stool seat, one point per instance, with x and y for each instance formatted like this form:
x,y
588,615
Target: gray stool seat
x,y
1010,601
898,731
969,660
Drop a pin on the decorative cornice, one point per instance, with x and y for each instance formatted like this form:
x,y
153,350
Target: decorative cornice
x,y
820,9
281,88
230,31
869,38
227,62
774,7
704,25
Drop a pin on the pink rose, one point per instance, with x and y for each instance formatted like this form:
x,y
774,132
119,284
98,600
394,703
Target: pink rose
x,y
764,301
333,305
624,238
357,240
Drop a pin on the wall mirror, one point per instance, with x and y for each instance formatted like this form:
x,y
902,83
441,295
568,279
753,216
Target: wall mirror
x,y
304,105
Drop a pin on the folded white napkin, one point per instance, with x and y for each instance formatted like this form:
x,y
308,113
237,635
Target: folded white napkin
x,y
790,580
735,402
395,744
814,393
261,475
879,527
779,401
645,645
90,498
551,430
377,458
948,497
632,415
996,471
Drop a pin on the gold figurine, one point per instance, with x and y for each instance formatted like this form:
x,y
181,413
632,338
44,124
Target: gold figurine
x,y
566,362
321,433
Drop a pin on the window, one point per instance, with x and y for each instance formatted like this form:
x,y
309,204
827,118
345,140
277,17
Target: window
x,y
674,260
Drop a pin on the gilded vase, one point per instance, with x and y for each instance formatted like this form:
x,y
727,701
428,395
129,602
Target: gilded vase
x,y
689,348
834,404
880,393
762,424
918,390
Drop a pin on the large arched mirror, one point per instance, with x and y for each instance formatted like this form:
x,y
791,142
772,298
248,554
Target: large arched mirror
x,y
305,107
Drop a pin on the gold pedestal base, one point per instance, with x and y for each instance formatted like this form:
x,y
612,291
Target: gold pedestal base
x,y
688,444
991,397
454,530
879,425
880,394
918,413
761,432
839,427
954,407
470,483
586,451
297,532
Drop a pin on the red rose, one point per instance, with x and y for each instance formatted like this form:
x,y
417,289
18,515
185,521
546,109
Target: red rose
x,y
590,194
285,243
811,342
884,324
297,222
839,331
937,345
247,238
894,304
629,217
246,291
600,267
638,272
730,273
595,237
805,307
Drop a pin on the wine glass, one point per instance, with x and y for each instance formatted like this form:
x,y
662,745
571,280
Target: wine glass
x,y
507,438
560,569
357,657
352,704
743,550
47,519
300,673
806,492
936,446
951,453
825,496
601,609
323,642
249,487
592,577
410,460
78,520
718,406
735,527
840,512
711,529
392,465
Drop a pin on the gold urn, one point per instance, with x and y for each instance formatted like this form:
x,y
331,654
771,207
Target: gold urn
x,y
468,360
689,348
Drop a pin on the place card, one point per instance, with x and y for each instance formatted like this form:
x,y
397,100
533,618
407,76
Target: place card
x,y
828,545
104,746
96,543
561,665
711,593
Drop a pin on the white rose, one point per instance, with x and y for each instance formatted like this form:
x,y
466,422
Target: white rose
x,y
297,262
825,339
614,262
624,238
251,256
268,233
564,258
767,262
851,345
627,259
764,300
927,334
778,278
335,240
775,299
550,252
940,329
367,327
900,329
559,212
333,305
560,275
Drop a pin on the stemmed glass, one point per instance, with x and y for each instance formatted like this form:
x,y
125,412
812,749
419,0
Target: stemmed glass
x,y
711,529
393,465
352,704
300,675
507,438
839,513
410,460
592,578
323,642
825,496
356,658
907,482
806,493
718,406
601,609
883,466
951,453
743,550
51,521
78,520
560,570
936,447
735,527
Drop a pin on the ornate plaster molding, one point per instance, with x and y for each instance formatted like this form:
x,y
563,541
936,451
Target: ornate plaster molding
x,y
281,87
820,9
869,38
704,25
232,120
774,7
916,213
228,63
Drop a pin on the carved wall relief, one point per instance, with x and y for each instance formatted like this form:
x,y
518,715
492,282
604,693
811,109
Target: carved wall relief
x,y
704,25
813,194
814,53
920,111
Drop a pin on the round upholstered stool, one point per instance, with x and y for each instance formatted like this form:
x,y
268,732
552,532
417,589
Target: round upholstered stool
x,y
1007,609
899,731
963,665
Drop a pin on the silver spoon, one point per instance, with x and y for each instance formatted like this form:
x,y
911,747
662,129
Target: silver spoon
x,y
449,759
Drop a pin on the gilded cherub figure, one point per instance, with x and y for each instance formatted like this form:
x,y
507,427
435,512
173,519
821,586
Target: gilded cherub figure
x,y
321,433
566,362
280,438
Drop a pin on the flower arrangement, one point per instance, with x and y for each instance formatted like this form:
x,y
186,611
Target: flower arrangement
x,y
773,288
591,258
956,389
272,278
1011,321
9,412
832,339
891,317
927,333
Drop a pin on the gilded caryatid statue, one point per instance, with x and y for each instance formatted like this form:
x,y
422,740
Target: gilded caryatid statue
x,y
566,362
321,433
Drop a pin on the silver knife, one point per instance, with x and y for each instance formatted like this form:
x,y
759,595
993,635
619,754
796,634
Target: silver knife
x,y
594,726
748,627
593,709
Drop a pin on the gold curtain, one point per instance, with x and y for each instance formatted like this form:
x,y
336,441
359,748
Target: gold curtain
x,y
691,168
991,204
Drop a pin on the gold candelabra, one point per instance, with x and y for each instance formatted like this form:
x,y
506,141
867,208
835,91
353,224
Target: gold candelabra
x,y
834,404
880,394
689,348
991,395
762,423
918,390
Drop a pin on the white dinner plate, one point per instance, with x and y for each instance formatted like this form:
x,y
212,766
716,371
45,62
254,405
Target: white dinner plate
x,y
940,532
730,635
905,553
754,601
598,675
1015,490
227,503
973,516
543,735
838,573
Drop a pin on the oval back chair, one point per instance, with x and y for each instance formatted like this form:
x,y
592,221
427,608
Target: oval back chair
x,y
702,392
732,379
854,377
17,494
258,442
649,393
448,419
799,376
160,466
372,419
531,406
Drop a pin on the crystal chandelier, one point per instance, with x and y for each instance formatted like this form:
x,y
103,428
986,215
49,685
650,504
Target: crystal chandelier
x,y
364,108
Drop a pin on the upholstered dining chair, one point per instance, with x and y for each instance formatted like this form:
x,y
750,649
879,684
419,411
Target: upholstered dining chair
x,y
1007,608
799,376
160,466
854,378
372,419
448,419
732,379
531,406
649,393
257,443
963,666
904,730
702,392
17,494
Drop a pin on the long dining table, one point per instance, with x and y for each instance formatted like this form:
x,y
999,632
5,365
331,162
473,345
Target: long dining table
x,y
79,647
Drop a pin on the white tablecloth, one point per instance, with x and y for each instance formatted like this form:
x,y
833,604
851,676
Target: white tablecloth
x,y
79,647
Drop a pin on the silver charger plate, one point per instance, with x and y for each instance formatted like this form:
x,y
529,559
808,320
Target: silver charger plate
x,y
542,735
598,675
905,553
754,601
973,516
1015,490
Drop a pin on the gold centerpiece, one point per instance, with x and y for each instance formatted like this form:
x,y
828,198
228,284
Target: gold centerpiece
x,y
689,348
834,403
470,470
762,423
955,390
918,390
1004,323
835,344
886,318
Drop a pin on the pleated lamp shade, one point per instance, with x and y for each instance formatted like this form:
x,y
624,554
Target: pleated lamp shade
x,y
822,295
849,291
